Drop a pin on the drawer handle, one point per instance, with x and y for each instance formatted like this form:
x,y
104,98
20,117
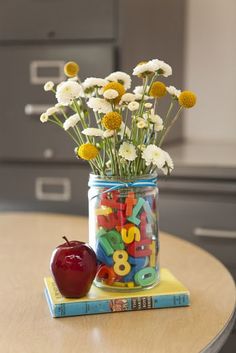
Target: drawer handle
x,y
35,109
37,65
214,233
42,183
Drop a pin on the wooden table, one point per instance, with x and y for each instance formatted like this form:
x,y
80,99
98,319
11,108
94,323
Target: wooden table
x,y
26,243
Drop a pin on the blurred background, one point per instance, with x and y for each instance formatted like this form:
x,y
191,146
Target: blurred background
x,y
38,170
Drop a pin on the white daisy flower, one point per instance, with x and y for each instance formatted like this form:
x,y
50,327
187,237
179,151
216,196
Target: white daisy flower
x,y
154,155
67,91
142,124
154,119
52,110
120,77
108,133
127,98
139,90
132,106
127,151
161,67
173,91
148,105
143,69
71,121
169,165
93,132
93,82
158,126
58,105
110,94
99,105
43,118
48,86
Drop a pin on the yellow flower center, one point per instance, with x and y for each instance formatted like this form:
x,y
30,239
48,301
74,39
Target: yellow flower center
x,y
112,121
71,69
158,89
187,99
87,151
117,87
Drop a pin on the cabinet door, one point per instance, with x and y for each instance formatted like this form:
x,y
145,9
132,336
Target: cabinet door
x,y
207,223
44,187
56,19
23,71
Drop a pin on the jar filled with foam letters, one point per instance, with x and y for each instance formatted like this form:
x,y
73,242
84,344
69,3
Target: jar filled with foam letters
x,y
123,231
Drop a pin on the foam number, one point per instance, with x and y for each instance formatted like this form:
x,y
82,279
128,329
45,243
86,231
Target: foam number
x,y
145,277
137,264
130,202
135,212
107,274
152,261
129,235
140,249
103,211
121,265
106,246
102,256
115,240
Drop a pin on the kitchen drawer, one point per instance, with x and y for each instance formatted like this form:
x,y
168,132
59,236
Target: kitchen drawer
x,y
39,187
24,137
193,217
64,19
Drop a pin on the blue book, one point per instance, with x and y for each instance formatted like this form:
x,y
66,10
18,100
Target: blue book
x,y
168,293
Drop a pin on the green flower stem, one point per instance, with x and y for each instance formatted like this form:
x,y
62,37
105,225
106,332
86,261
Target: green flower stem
x,y
170,126
166,122
77,108
99,164
95,166
126,119
73,138
79,134
92,167
152,80
115,154
142,99
111,156
64,113
155,105
104,156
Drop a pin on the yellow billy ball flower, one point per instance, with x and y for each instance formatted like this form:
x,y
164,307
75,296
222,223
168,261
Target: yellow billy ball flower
x,y
71,69
87,151
117,87
187,99
158,89
112,121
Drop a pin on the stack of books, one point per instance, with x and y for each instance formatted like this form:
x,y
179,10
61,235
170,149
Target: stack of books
x,y
168,294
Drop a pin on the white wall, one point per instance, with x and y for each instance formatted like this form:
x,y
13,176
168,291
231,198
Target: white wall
x,y
210,69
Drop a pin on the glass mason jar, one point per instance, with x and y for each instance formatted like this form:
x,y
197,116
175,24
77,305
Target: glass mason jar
x,y
123,231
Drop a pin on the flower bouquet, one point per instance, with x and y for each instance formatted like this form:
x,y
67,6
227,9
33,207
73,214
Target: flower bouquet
x,y
120,133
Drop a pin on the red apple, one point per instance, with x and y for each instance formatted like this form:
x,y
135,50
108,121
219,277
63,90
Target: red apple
x,y
74,266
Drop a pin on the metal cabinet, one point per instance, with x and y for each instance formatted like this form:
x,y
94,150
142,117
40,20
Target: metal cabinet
x,y
52,19
52,187
205,218
203,211
23,136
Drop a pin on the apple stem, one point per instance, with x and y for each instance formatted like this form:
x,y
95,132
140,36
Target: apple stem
x,y
66,240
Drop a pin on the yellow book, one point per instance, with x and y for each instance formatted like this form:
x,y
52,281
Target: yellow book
x,y
168,293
